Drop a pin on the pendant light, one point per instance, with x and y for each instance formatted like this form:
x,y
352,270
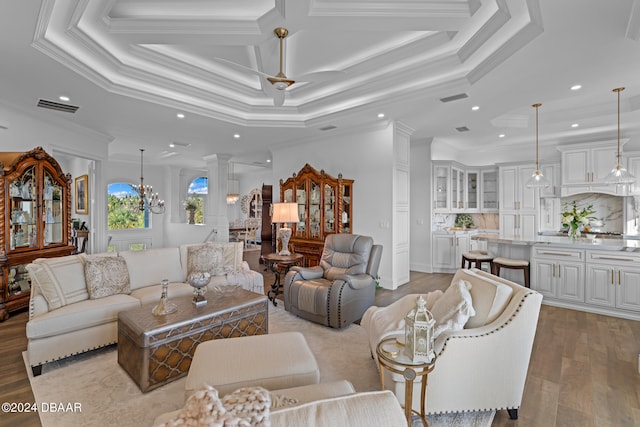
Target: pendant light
x,y
619,175
537,180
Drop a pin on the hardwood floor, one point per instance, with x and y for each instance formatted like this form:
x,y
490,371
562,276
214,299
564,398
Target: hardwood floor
x,y
583,370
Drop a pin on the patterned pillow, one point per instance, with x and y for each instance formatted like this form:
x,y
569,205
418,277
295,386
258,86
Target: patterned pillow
x,y
106,275
244,407
452,310
209,258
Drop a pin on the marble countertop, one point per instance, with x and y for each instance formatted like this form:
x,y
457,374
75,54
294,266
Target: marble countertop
x,y
629,245
459,230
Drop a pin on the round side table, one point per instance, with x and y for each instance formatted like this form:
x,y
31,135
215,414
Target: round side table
x,y
274,262
391,357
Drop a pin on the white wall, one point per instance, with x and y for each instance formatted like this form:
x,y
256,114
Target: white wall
x,y
366,156
421,174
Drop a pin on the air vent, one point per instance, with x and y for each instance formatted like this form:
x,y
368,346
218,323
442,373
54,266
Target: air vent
x,y
462,129
454,97
43,103
330,127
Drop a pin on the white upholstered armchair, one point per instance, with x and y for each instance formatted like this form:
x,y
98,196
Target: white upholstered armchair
x,y
481,367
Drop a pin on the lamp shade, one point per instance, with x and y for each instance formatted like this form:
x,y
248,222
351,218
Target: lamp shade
x,y
284,213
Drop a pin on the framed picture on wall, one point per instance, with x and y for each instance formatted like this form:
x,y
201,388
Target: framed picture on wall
x,y
82,194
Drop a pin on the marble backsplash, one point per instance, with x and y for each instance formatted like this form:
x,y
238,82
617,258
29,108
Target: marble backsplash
x,y
607,208
483,221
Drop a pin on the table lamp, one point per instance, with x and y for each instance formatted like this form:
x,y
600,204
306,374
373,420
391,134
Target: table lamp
x,y
284,213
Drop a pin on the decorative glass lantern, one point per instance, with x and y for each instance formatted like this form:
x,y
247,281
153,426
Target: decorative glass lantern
x,y
418,333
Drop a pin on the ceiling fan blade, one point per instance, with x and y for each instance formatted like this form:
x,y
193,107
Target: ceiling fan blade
x,y
242,67
320,76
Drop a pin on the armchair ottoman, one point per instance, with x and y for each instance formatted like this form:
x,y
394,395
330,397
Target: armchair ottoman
x,y
338,291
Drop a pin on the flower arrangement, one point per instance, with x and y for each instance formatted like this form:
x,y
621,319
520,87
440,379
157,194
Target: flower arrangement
x,y
574,218
464,220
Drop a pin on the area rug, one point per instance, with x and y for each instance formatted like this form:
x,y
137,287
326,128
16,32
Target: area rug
x,y
95,391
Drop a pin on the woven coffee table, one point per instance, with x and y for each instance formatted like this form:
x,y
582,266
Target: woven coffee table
x,y
155,350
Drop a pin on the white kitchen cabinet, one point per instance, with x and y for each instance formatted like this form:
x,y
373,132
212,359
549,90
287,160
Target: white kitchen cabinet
x,y
441,181
518,204
472,193
613,280
584,167
550,214
559,273
551,172
633,166
457,189
448,250
489,190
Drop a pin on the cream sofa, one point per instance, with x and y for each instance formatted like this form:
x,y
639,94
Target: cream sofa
x,y
64,321
481,367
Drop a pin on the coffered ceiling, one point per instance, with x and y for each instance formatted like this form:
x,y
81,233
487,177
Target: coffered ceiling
x,y
133,65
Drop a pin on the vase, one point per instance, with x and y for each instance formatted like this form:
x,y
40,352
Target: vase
x,y
199,282
164,306
574,231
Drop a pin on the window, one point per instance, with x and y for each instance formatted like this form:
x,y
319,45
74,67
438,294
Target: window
x,y
123,212
196,196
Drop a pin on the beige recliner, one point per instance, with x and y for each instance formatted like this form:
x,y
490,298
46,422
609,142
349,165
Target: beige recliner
x,y
338,291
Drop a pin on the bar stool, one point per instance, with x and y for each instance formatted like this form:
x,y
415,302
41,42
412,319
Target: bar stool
x,y
513,264
477,257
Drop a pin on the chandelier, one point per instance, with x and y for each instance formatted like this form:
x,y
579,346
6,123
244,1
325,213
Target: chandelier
x,y
148,199
232,187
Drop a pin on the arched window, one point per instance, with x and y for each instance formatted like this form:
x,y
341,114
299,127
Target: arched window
x,y
195,201
123,208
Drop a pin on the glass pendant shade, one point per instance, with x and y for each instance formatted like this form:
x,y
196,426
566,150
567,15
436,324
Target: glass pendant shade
x,y
619,175
537,180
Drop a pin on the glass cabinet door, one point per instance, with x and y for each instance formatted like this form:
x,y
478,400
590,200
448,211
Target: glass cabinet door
x,y
314,209
329,208
441,188
489,190
301,199
472,190
346,208
52,197
18,281
23,225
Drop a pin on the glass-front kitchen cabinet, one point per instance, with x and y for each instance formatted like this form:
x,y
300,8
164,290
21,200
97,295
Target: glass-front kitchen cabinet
x,y
324,207
35,212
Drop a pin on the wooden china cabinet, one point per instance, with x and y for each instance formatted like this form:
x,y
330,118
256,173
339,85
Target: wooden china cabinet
x,y
35,214
324,207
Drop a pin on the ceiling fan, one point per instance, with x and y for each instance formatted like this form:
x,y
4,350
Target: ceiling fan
x,y
280,81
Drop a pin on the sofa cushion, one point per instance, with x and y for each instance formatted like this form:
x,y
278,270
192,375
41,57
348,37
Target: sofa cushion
x,y
205,258
144,266
232,255
81,315
106,276
150,294
490,297
60,280
452,310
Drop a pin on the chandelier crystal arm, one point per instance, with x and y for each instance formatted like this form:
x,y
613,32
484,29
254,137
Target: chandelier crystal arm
x,y
147,198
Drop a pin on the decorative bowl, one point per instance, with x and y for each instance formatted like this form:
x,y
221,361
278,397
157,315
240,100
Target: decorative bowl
x,y
199,279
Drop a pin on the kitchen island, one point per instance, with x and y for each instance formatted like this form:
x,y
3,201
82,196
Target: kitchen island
x,y
599,275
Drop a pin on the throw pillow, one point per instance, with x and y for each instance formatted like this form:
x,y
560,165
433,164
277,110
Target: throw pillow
x,y
60,280
452,310
106,276
244,407
209,258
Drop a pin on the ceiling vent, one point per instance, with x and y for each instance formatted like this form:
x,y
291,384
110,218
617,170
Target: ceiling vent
x,y
462,129
43,103
330,127
454,97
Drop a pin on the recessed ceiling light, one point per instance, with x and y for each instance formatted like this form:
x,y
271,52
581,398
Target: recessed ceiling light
x,y
576,87
64,98
180,116
268,160
236,135
575,125
380,115
172,145
475,108
501,135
